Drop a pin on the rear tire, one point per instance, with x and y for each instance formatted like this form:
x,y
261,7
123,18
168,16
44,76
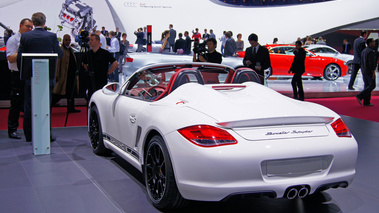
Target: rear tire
x,y
159,176
96,133
332,72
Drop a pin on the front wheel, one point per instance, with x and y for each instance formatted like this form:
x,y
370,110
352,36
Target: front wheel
x,y
96,133
159,176
332,72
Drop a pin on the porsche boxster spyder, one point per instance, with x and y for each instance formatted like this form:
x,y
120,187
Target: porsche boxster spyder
x,y
202,131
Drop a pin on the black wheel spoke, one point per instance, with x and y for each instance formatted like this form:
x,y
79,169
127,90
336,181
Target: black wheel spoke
x,y
155,171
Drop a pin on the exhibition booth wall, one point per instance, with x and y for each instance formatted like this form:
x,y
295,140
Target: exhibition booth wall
x,y
287,22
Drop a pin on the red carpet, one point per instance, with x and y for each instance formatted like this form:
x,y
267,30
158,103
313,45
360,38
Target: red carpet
x,y
57,120
348,106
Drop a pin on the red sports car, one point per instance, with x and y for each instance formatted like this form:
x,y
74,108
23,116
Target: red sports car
x,y
316,66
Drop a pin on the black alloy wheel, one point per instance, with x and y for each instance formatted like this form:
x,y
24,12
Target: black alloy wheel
x,y
95,133
159,176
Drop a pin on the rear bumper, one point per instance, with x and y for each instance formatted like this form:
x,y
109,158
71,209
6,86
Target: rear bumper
x,y
214,174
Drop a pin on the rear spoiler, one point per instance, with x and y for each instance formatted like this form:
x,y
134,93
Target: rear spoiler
x,y
277,121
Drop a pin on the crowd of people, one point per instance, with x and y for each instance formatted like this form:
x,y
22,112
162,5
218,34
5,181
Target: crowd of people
x,y
106,49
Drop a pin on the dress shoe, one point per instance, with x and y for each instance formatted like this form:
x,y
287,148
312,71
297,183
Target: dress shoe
x,y
28,140
359,100
370,104
73,110
14,135
351,88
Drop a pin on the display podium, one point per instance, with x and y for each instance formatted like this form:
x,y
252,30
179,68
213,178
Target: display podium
x,y
40,86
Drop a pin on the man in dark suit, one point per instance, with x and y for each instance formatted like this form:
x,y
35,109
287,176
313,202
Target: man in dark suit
x,y
37,41
187,48
172,37
118,33
298,68
359,46
256,57
368,65
346,47
103,31
180,44
139,40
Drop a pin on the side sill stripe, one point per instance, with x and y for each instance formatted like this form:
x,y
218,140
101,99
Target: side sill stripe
x,y
121,146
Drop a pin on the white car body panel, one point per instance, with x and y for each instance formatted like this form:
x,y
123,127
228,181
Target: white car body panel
x,y
336,54
293,137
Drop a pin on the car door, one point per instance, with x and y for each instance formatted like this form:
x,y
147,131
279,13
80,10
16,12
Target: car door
x,y
281,60
126,112
313,65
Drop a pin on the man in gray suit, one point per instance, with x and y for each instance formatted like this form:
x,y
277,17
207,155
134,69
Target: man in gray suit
x,y
359,46
171,39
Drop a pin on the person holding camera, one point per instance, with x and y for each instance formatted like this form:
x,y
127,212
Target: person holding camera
x,y
210,56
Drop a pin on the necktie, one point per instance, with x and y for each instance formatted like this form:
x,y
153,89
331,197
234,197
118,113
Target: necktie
x,y
253,51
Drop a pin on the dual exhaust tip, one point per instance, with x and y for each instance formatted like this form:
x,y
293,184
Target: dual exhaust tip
x,y
297,191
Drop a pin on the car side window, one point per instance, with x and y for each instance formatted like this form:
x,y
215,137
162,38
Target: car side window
x,y
317,50
147,85
328,50
288,50
277,50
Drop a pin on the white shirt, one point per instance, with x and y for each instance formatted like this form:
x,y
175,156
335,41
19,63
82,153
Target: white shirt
x,y
115,46
223,40
12,48
103,41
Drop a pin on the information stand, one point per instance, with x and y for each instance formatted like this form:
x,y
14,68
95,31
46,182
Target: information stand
x,y
40,100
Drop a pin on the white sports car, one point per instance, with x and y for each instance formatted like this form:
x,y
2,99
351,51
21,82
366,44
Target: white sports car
x,y
202,131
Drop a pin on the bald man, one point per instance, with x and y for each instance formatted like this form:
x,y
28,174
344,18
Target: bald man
x,y
65,76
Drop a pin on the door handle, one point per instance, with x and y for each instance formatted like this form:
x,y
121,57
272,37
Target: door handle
x,y
132,119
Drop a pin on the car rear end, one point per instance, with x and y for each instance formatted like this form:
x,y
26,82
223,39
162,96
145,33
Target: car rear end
x,y
278,156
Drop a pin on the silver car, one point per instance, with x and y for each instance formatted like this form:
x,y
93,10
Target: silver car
x,y
134,61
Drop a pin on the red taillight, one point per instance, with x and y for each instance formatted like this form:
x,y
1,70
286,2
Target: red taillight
x,y
207,136
71,19
128,59
340,128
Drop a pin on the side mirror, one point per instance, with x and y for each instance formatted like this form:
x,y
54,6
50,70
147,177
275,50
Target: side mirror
x,y
112,88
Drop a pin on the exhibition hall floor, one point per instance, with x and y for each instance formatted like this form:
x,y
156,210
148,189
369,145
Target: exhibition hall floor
x,y
73,179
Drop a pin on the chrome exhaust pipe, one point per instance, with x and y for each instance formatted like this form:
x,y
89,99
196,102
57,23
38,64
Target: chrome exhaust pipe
x,y
303,192
292,193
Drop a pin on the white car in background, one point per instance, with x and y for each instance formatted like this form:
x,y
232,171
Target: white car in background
x,y
325,50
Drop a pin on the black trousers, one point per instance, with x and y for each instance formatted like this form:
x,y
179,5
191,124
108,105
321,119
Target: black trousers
x,y
297,87
17,101
370,84
353,75
70,96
